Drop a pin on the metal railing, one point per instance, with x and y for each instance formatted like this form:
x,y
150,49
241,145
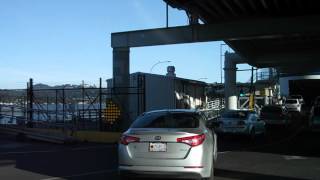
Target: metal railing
x,y
216,104
67,108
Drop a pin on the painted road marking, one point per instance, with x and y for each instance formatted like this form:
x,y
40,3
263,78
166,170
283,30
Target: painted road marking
x,y
224,152
294,158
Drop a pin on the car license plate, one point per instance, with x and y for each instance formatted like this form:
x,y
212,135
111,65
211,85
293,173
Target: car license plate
x,y
158,147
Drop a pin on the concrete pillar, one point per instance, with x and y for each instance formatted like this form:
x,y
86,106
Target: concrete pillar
x,y
121,67
270,95
230,87
121,84
266,96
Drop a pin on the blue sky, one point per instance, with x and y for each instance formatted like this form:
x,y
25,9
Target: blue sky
x,y
67,41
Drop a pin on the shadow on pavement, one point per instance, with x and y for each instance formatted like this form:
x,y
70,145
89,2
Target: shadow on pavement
x,y
40,160
249,176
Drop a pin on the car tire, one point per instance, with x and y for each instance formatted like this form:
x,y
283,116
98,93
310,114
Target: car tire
x,y
252,134
263,137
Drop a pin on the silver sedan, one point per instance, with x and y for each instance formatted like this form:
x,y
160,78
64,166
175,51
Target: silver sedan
x,y
241,122
168,144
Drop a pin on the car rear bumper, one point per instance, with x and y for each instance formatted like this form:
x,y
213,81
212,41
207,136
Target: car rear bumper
x,y
162,172
315,127
293,109
315,130
228,130
197,163
280,122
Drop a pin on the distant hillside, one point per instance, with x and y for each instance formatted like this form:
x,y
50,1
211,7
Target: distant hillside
x,y
41,86
45,92
65,86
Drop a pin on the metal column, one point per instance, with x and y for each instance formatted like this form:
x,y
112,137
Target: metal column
x,y
100,105
30,101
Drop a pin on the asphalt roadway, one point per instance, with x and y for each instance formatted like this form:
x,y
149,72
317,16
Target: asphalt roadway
x,y
284,155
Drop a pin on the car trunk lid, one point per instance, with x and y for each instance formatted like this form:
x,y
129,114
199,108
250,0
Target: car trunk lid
x,y
232,122
160,143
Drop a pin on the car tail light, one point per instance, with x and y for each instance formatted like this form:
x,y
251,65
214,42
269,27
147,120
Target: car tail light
x,y
192,140
241,123
125,140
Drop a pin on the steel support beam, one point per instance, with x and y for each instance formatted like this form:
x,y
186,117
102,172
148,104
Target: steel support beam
x,y
240,30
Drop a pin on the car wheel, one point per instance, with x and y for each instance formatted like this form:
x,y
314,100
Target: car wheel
x,y
252,134
263,136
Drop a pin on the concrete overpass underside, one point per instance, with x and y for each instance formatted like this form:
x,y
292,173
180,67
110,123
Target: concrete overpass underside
x,y
288,50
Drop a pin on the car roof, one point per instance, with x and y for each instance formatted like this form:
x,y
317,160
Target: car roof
x,y
293,99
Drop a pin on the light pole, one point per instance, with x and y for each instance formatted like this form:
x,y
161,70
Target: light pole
x,y
159,62
221,59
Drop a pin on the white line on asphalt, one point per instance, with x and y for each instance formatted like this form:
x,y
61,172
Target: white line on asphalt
x,y
223,152
82,174
287,157
53,151
27,152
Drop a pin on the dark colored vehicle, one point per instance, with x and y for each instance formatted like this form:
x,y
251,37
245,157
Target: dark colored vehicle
x,y
317,101
314,120
275,115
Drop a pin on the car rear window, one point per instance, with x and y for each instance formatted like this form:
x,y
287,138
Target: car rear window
x,y
235,114
291,101
167,120
296,97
